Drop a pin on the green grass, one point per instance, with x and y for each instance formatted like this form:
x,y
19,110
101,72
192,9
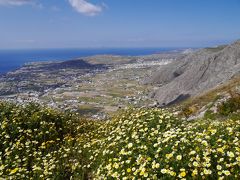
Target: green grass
x,y
88,110
216,49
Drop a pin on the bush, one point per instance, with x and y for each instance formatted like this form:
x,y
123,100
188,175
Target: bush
x,y
209,115
40,143
230,106
152,143
37,142
189,110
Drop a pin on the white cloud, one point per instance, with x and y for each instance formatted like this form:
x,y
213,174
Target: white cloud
x,y
86,8
15,2
81,6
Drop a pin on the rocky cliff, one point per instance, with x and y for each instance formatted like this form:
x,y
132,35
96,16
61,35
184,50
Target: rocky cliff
x,y
196,72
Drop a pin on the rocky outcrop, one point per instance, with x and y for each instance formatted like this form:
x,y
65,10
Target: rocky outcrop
x,y
196,73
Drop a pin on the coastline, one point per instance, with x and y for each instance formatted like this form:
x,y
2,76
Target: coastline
x,y
13,59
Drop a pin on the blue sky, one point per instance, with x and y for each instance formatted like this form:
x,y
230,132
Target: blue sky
x,y
117,23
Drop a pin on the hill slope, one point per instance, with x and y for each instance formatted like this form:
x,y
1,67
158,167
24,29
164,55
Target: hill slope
x,y
41,143
196,73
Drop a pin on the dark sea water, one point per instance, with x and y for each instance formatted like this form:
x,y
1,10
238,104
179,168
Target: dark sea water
x,y
13,59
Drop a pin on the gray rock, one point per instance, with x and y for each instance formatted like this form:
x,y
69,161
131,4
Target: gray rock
x,y
195,73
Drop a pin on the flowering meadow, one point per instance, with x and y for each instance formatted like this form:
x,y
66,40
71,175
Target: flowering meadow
x,y
36,143
40,143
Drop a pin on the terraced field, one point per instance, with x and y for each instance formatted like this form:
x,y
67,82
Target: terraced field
x,y
94,87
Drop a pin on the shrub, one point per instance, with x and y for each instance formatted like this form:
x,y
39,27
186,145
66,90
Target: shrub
x,y
189,110
230,106
152,143
36,142
209,115
40,143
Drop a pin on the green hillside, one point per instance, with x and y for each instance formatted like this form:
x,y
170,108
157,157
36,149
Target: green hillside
x,y
41,143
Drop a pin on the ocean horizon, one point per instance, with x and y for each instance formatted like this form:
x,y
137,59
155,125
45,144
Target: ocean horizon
x,y
13,59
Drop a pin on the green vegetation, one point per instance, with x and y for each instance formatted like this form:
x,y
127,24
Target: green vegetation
x,y
88,110
231,105
194,104
216,49
40,143
209,115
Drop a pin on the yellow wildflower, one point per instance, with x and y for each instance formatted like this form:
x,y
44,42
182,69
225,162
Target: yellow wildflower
x,y
130,145
179,157
13,171
195,163
219,167
183,174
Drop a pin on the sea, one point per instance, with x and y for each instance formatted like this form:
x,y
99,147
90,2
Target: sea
x,y
13,59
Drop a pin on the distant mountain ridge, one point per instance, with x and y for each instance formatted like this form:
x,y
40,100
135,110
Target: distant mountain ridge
x,y
196,72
